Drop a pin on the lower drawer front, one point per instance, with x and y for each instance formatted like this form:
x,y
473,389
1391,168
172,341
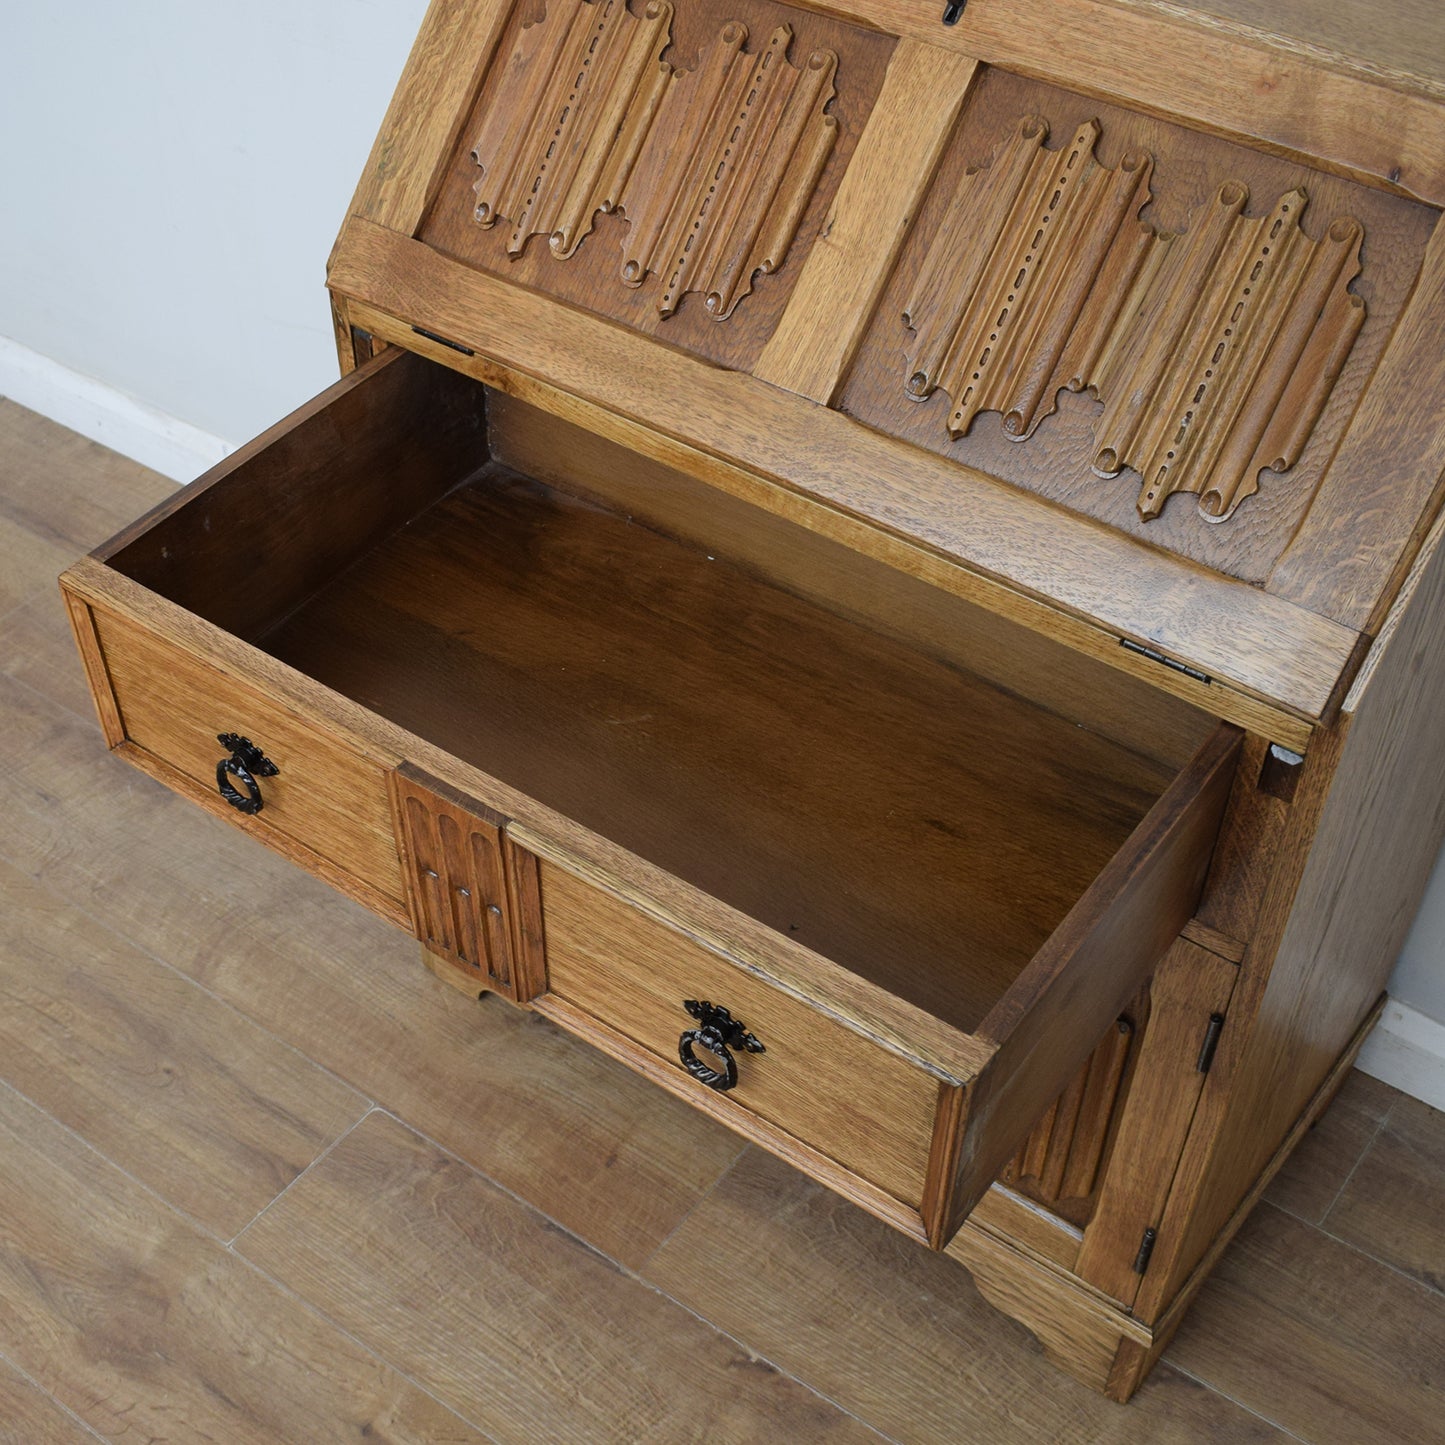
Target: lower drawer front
x,y
832,1089
327,805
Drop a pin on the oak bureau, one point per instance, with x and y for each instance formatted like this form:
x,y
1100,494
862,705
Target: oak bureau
x,y
880,562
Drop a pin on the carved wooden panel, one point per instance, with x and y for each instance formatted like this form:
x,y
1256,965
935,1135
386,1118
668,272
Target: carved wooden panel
x,y
568,115
1213,351
457,881
1059,1163
713,168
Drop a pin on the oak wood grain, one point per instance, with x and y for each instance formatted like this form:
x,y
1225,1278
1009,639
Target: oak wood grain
x,y
97,676
327,798
456,881
1189,986
1337,116
1404,42
280,515
1387,469
743,756
556,1123
424,118
882,597
1092,965
876,203
524,1307
839,1299
831,1088
141,1325
185,1094
1244,638
1367,819
1058,460
592,276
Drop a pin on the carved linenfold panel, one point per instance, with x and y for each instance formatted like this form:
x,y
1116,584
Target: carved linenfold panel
x,y
1060,1160
569,112
739,145
457,882
1213,351
712,168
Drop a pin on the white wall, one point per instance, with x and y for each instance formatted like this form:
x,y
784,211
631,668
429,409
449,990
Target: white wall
x,y
172,176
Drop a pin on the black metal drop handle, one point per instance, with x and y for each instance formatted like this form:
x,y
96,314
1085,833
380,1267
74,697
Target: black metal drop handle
x,y
720,1034
246,763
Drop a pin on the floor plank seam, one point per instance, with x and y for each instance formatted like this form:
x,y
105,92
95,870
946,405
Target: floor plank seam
x,y
315,1310
54,1400
1233,1400
151,1190
323,1155
1355,1167
632,1274
69,902
695,1206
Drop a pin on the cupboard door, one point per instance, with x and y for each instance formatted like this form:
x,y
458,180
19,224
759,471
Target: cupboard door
x,y
1189,998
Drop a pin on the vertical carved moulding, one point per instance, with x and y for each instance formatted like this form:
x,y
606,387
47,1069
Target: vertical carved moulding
x,y
457,881
711,213
1213,352
568,113
713,168
1060,1161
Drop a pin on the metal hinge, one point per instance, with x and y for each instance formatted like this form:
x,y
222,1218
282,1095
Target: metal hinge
x,y
953,11
1146,1248
1156,656
442,341
1212,1032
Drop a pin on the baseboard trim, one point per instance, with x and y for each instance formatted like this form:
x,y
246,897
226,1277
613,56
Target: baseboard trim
x,y
106,415
1407,1049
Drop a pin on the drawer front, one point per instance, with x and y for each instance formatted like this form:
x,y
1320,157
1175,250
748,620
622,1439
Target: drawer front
x,y
326,807
823,1084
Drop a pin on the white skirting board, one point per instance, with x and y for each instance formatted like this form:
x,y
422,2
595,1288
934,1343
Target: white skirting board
x,y
1407,1049
174,448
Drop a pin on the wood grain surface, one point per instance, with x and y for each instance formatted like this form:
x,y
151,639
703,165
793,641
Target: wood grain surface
x,y
1244,639
825,1085
592,276
716,726
329,799
184,1093
138,1322
1059,457
816,1285
1305,1357
876,204
561,1126
1189,986
524,1307
145,1320
1158,58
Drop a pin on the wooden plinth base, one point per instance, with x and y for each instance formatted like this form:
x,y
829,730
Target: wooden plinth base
x,y
1085,1332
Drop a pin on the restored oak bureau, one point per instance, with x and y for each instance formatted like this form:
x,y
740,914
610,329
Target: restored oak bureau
x,y
880,562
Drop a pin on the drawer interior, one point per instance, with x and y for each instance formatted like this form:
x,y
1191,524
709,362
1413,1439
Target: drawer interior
x,y
799,732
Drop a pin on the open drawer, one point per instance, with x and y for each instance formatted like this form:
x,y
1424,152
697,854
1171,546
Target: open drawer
x,y
922,856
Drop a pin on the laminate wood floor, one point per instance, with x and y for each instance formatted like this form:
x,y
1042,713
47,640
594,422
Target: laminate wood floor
x,y
263,1178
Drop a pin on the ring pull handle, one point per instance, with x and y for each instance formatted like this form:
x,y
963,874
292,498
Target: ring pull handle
x,y
246,763
719,1034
